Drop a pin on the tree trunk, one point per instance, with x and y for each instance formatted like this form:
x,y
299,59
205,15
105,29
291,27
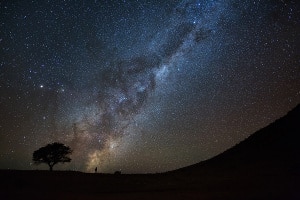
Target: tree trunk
x,y
51,168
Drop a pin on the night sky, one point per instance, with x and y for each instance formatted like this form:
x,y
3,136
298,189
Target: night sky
x,y
142,86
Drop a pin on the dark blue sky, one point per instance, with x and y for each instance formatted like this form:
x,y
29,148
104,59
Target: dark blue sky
x,y
142,86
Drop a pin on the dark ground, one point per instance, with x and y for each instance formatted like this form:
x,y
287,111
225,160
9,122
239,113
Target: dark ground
x,y
264,166
206,185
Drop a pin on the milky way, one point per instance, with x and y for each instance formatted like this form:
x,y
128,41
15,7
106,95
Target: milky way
x,y
143,86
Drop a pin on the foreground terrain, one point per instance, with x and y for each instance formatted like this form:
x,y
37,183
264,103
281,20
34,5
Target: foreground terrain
x,y
75,185
264,166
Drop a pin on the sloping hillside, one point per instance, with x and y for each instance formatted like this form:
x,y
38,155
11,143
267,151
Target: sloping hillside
x,y
273,148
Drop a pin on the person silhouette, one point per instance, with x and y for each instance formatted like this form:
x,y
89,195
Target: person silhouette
x,y
96,170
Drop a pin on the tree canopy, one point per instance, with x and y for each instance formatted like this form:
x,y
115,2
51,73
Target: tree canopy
x,y
52,154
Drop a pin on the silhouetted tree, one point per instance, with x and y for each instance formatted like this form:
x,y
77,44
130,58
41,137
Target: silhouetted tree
x,y
52,154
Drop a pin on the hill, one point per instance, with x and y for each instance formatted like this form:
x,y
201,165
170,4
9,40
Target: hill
x,y
273,148
266,165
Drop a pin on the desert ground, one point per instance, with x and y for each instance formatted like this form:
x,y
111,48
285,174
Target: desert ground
x,y
229,184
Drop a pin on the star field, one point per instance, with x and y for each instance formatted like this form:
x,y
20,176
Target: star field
x,y
142,86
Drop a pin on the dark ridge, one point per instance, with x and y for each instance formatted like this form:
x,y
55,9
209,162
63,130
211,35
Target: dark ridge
x,y
275,147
